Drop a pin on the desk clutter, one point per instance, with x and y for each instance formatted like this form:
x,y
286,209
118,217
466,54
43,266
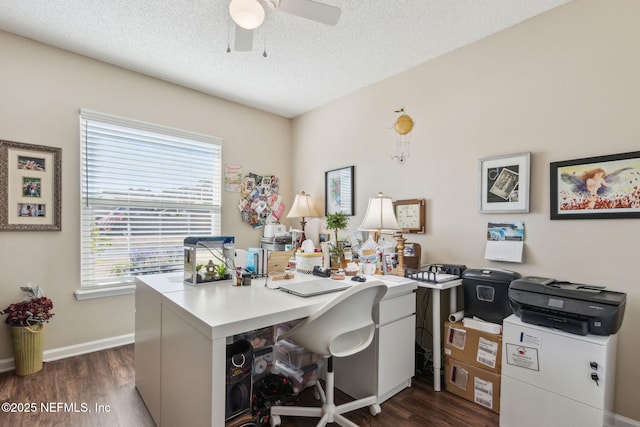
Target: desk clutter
x,y
279,371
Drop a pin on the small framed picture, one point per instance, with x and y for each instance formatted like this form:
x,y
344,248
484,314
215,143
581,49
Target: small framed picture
x,y
338,191
504,183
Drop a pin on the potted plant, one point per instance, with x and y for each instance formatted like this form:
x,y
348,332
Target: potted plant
x,y
27,319
337,221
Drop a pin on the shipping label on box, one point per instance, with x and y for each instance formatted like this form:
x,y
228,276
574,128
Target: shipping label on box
x,y
475,347
472,383
457,338
488,352
483,392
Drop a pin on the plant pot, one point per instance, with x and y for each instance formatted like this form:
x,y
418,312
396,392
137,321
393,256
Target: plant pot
x,y
337,261
28,343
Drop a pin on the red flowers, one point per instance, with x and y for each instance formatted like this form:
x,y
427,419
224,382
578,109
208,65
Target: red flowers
x,y
34,311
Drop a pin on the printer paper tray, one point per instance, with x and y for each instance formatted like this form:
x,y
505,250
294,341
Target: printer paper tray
x,y
571,325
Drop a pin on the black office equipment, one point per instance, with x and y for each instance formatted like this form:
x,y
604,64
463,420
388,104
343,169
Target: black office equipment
x,y
571,307
485,293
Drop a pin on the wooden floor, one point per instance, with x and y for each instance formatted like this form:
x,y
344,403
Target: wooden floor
x,y
98,389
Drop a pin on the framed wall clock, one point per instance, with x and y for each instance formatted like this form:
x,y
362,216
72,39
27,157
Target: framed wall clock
x,y
410,215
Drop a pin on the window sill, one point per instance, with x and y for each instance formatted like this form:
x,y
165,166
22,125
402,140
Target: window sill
x,y
84,294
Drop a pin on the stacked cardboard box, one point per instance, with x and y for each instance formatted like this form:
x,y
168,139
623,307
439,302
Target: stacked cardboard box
x,y
472,364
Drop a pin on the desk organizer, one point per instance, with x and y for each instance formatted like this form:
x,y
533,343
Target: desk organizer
x,y
429,272
306,262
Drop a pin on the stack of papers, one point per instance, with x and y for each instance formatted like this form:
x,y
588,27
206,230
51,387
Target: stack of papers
x,y
482,325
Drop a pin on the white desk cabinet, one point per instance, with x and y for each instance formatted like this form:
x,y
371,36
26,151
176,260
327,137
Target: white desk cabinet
x,y
388,364
547,377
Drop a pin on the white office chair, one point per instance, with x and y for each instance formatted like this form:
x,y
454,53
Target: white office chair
x,y
342,327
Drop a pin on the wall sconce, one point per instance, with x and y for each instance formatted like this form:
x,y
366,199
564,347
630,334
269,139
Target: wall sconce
x,y
403,127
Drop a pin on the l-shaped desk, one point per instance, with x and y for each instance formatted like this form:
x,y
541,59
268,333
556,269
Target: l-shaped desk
x,y
182,332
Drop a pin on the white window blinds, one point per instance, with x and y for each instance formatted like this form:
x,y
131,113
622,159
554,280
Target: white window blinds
x,y
144,189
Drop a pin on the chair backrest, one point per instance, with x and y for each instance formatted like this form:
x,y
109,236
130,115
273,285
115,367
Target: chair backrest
x,y
344,325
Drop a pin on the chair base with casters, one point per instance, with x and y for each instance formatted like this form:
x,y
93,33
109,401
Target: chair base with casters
x,y
342,327
329,412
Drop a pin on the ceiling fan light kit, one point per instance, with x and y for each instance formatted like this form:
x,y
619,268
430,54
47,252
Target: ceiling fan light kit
x,y
248,14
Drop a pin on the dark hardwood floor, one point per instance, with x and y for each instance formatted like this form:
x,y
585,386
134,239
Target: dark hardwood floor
x,y
98,389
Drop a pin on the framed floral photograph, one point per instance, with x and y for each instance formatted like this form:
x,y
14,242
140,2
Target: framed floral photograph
x,y
338,191
504,183
30,177
596,187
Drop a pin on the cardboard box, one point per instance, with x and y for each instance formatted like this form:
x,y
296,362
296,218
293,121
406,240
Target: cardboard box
x,y
472,383
472,346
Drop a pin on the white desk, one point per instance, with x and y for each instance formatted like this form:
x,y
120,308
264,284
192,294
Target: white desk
x,y
182,331
437,323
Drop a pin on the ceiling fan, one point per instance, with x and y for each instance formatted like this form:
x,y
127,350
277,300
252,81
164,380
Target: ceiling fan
x,y
249,15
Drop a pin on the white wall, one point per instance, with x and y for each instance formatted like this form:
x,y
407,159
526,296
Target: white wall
x,y
43,89
563,86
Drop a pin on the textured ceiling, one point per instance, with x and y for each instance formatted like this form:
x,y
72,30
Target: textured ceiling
x,y
308,64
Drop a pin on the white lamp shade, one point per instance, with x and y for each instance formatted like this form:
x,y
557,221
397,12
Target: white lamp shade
x,y
302,207
380,215
249,14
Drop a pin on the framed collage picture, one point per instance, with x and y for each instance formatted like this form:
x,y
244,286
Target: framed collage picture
x,y
30,178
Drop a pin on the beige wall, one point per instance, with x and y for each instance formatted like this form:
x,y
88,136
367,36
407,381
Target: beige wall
x,y
42,92
563,86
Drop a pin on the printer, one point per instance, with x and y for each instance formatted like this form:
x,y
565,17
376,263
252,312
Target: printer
x,y
571,307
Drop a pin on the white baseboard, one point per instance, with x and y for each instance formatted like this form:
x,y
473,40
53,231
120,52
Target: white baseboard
x,y
620,421
75,350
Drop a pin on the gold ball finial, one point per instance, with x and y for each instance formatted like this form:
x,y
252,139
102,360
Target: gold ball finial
x,y
404,124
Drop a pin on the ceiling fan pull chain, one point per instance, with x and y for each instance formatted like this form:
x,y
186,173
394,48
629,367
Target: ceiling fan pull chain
x,y
265,45
228,35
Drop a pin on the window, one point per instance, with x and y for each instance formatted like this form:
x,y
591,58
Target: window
x,y
144,189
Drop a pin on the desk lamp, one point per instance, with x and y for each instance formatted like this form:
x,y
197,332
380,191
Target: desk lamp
x,y
302,207
381,217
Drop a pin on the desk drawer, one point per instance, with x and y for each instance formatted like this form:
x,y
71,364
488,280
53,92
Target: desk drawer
x,y
395,308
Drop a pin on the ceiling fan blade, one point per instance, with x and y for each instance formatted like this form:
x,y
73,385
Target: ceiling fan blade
x,y
313,10
244,39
